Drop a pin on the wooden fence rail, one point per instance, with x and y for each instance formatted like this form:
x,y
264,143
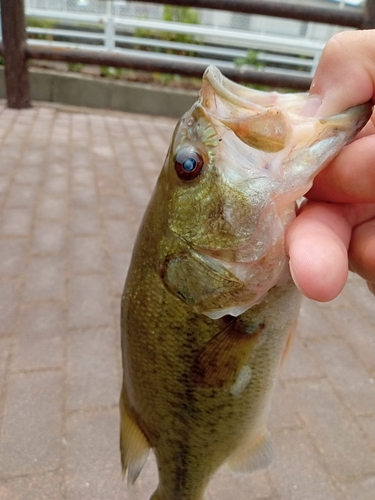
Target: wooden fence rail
x,y
16,51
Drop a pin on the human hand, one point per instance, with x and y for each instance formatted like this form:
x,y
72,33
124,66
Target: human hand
x,y
335,228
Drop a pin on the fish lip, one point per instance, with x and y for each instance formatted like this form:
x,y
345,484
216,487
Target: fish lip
x,y
225,88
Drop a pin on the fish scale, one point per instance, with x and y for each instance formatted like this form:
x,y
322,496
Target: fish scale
x,y
209,307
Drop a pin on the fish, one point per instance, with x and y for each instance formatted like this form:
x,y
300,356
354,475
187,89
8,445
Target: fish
x,y
209,307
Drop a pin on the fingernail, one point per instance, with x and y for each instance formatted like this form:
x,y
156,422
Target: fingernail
x,y
311,106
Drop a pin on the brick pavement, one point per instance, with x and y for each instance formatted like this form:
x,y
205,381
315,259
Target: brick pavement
x,y
73,186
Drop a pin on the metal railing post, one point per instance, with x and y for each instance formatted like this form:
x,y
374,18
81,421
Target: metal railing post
x,y
369,15
109,28
14,42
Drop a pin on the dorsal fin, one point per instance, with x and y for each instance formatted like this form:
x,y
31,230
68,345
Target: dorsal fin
x,y
134,446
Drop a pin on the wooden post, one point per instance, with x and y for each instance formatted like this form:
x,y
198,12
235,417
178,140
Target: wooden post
x,y
14,41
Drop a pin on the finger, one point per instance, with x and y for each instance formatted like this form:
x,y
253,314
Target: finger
x,y
362,250
317,244
350,177
345,75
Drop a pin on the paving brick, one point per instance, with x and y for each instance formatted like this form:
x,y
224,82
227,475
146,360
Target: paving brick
x,y
100,150
56,185
312,322
367,423
52,207
83,197
89,302
297,471
35,157
57,163
22,196
4,184
28,175
87,254
358,332
58,149
4,354
347,374
84,221
9,297
16,222
11,151
361,298
93,376
110,185
94,469
39,343
300,363
114,207
45,279
49,237
32,487
7,165
13,256
333,429
107,168
83,176
225,485
361,490
120,236
283,413
119,264
31,431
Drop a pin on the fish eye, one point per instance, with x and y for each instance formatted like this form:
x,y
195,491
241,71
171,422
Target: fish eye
x,y
188,164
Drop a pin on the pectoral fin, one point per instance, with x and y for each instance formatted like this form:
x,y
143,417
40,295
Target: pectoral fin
x,y
134,446
256,456
222,358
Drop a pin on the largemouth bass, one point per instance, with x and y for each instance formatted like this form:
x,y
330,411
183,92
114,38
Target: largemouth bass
x,y
209,306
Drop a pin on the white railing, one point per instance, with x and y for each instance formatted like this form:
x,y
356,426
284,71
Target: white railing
x,y
117,27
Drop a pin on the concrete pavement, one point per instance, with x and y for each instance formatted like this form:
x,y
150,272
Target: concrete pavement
x,y
73,186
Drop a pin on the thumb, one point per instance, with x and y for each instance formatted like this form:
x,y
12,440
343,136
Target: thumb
x,y
345,75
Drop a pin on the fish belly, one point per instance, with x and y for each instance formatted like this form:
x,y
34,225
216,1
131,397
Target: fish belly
x,y
197,422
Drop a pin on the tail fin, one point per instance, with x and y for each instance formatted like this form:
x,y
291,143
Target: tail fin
x,y
157,496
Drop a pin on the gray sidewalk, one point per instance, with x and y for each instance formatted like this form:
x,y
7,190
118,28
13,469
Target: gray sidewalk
x,y
73,186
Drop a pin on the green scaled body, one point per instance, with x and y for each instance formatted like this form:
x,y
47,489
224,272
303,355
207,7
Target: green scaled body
x,y
209,307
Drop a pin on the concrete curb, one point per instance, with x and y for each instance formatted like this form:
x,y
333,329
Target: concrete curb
x,y
81,90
